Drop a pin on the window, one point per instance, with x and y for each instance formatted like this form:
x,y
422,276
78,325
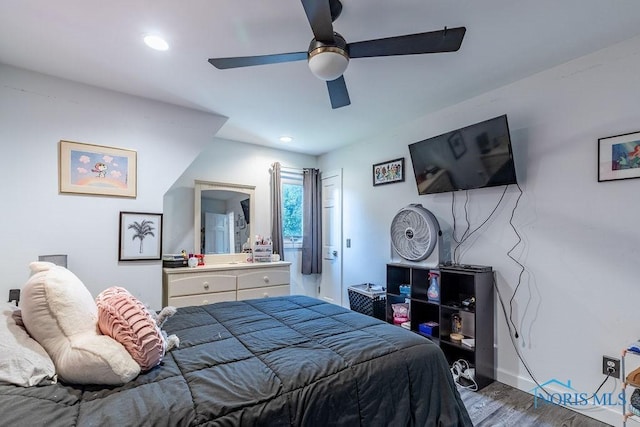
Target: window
x,y
292,209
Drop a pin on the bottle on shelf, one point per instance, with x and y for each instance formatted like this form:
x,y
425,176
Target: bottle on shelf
x,y
433,293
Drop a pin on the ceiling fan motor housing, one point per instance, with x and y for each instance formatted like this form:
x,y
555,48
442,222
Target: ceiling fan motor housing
x,y
415,234
328,61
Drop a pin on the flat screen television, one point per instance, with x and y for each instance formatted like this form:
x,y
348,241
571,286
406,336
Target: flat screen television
x,y
245,209
475,156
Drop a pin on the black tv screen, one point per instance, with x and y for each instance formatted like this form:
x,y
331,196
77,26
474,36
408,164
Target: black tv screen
x,y
245,209
475,156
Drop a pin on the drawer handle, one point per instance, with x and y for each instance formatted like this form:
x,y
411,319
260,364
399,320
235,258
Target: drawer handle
x,y
206,285
266,295
266,279
205,301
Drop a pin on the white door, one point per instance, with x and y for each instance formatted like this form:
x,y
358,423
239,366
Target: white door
x,y
216,233
331,278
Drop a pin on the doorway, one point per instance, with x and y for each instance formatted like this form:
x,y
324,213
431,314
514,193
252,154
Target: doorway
x,y
330,288
216,232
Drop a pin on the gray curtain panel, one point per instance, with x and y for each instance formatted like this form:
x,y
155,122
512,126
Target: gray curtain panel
x,y
311,222
276,210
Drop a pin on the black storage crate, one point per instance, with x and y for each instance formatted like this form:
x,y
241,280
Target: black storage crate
x,y
368,299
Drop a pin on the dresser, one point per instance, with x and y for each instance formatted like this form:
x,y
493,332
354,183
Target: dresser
x,y
207,284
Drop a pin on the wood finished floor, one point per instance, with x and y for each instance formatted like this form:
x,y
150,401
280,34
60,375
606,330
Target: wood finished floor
x,y
499,405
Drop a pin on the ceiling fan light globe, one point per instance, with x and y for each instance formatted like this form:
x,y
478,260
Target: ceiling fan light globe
x,y
328,63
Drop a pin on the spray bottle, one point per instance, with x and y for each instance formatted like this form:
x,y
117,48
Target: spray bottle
x,y
433,292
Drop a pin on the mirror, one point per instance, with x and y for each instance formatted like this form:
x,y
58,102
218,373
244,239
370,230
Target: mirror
x,y
223,214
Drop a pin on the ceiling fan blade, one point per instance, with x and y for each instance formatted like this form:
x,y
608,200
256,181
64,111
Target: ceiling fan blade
x,y
247,61
338,93
319,17
447,40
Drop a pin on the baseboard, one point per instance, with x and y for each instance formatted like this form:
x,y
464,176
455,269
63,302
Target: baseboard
x,y
607,414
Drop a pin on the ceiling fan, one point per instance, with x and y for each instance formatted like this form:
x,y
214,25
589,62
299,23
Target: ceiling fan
x,y
328,54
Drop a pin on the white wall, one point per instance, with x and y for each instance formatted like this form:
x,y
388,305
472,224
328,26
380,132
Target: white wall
x,y
577,299
37,111
237,163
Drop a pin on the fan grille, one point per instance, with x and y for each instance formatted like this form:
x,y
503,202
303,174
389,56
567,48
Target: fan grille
x,y
414,233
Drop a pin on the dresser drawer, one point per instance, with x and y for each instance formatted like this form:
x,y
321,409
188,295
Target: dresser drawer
x,y
262,277
202,299
265,292
191,284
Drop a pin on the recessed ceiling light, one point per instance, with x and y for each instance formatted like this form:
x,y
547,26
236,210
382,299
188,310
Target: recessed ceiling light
x,y
156,42
286,139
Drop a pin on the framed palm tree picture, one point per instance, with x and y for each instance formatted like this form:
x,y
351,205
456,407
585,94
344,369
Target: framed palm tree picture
x,y
140,236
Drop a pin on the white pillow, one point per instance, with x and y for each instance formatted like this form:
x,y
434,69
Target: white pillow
x,y
60,313
23,361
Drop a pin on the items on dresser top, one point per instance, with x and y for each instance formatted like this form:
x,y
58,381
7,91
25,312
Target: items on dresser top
x,y
174,260
182,260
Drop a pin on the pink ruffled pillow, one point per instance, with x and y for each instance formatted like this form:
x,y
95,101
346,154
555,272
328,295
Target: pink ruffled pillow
x,y
125,319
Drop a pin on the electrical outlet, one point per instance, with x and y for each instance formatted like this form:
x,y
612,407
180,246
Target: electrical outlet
x,y
611,366
14,295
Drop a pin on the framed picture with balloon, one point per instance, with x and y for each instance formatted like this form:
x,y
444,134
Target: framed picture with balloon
x,y
97,170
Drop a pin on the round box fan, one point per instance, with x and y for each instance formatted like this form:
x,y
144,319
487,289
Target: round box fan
x,y
414,232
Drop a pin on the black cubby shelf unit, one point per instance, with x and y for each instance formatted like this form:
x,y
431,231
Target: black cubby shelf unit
x,y
458,284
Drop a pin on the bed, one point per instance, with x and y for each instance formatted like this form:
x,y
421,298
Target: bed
x,y
290,361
